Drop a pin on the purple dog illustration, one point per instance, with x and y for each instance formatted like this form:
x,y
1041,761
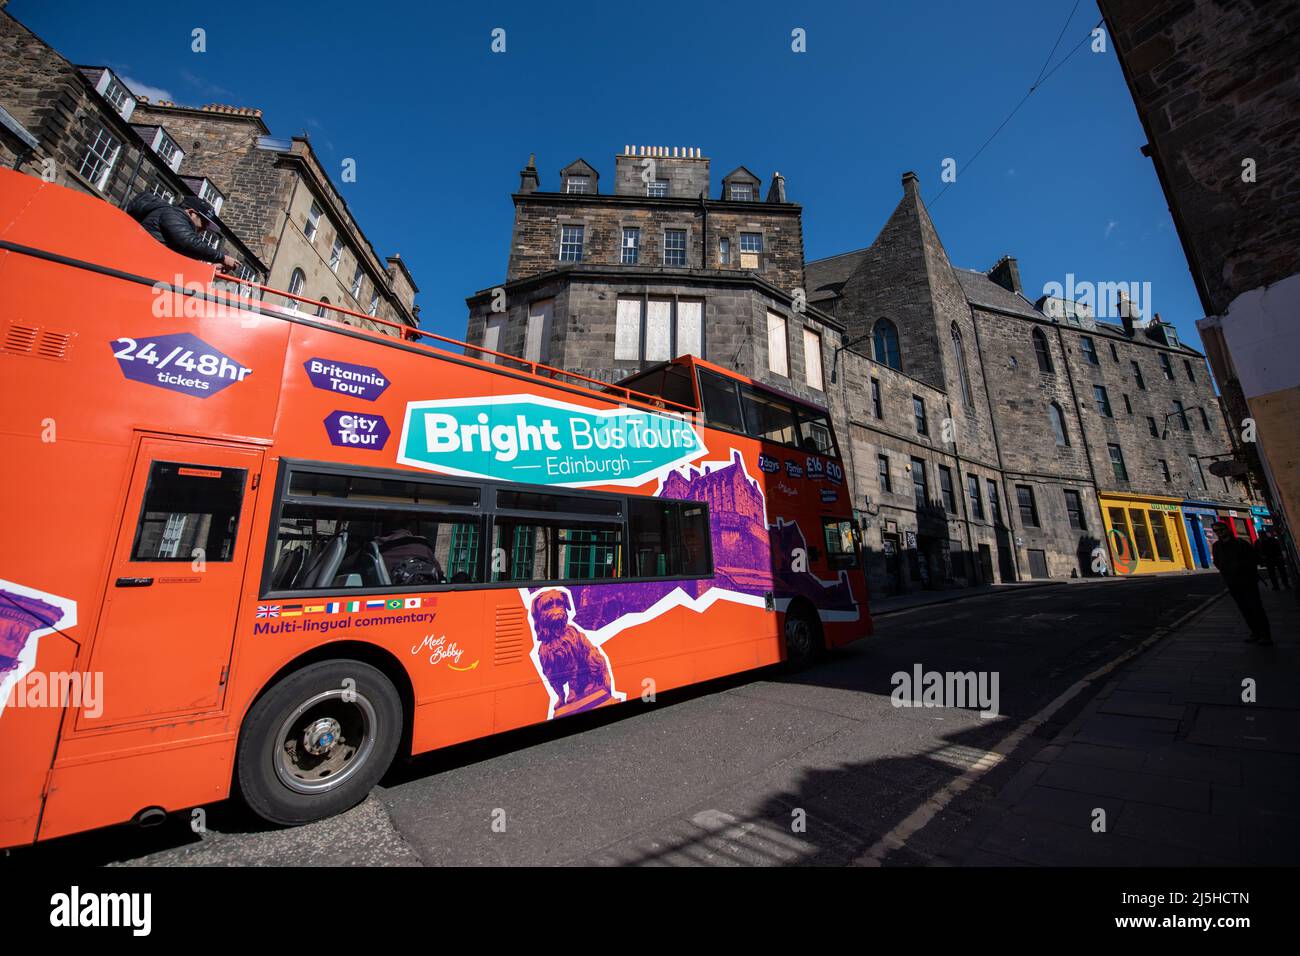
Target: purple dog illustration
x,y
575,670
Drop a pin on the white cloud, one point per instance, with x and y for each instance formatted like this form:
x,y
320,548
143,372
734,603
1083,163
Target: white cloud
x,y
154,93
1110,227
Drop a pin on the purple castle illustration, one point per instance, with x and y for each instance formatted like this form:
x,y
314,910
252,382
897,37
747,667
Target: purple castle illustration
x,y
19,617
748,556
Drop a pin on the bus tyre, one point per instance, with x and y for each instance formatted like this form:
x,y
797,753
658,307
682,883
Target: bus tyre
x,y
802,638
317,742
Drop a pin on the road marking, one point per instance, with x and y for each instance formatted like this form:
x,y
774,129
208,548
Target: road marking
x,y
897,838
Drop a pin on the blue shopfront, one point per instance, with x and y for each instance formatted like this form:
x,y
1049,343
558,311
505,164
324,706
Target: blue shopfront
x,y
1261,517
1198,516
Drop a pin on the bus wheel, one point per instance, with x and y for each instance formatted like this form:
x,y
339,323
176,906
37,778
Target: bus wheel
x,y
317,742
802,638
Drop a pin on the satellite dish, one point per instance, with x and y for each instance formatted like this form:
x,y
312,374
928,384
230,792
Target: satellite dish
x,y
1230,468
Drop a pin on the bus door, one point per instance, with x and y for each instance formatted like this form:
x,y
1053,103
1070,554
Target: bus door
x,y
167,626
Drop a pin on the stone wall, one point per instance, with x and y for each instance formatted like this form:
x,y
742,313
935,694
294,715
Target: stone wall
x,y
539,217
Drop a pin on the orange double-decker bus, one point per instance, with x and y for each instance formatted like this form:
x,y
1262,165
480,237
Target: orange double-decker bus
x,y
249,547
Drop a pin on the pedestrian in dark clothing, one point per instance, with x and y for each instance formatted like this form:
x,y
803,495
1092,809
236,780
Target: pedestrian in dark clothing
x,y
1236,560
1272,558
180,227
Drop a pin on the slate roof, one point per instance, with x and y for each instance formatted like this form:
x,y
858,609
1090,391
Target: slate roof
x,y
983,291
826,277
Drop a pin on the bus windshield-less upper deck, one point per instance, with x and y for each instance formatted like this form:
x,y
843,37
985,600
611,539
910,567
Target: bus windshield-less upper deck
x,y
274,550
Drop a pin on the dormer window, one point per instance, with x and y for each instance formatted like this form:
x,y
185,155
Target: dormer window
x,y
116,93
167,150
209,193
657,189
577,185
740,185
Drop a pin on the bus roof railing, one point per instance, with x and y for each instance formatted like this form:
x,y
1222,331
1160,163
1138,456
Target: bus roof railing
x,y
413,334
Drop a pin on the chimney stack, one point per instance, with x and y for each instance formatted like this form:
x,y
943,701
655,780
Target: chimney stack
x,y
1126,316
776,192
1007,274
528,178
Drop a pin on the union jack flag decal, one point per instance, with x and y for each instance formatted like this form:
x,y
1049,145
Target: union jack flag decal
x,y
268,610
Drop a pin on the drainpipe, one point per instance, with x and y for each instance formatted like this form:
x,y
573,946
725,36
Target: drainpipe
x,y
848,436
704,232
997,443
959,493
139,158
1083,434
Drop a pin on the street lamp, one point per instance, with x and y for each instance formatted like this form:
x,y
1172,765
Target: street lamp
x,y
835,357
1164,432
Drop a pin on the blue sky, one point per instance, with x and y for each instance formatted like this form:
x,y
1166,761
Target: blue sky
x,y
439,125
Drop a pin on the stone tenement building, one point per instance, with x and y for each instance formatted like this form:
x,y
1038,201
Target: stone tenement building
x,y
1064,428
280,213
606,283
283,203
1216,88
986,437
81,127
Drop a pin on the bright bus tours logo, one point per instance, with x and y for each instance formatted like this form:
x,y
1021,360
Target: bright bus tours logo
x,y
541,441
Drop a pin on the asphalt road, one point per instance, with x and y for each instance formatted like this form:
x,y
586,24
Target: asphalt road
x,y
763,768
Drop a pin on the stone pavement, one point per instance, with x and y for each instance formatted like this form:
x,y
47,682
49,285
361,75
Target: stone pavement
x,y
1186,771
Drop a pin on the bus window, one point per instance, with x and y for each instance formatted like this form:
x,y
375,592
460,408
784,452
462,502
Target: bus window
x,y
552,550
671,382
344,531
189,509
366,488
815,433
668,538
544,501
840,550
720,400
768,418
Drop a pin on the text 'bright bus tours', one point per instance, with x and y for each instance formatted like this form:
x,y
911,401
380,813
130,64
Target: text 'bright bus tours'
x,y
280,550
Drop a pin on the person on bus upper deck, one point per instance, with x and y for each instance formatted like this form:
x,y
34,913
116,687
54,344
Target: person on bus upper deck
x,y
179,228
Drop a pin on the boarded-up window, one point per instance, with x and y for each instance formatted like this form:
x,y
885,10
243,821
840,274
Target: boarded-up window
x,y
812,358
690,327
658,330
492,335
776,350
537,342
627,330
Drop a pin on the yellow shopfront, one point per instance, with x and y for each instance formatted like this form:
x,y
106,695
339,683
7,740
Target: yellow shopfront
x,y
1145,533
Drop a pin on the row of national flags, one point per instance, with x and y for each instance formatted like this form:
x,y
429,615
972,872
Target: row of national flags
x,y
345,607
